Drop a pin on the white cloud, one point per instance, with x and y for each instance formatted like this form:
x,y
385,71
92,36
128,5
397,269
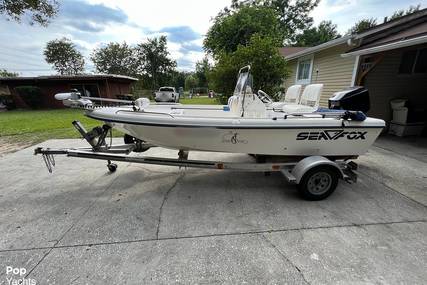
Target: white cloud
x,y
127,20
165,13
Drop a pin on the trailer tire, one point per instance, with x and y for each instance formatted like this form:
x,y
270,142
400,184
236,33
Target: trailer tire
x,y
318,183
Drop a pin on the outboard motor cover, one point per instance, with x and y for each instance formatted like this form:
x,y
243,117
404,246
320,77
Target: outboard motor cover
x,y
355,98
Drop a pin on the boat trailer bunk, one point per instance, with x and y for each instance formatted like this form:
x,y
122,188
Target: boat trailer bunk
x,y
316,177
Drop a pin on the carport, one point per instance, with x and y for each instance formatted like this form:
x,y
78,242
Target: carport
x,y
395,67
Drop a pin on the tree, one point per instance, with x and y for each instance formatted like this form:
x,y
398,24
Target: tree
x,y
314,36
115,58
5,73
294,16
40,11
64,57
202,70
362,26
178,79
400,13
191,81
366,24
267,66
154,61
236,28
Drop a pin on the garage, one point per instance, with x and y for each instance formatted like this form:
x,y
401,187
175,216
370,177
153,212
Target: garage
x,y
394,69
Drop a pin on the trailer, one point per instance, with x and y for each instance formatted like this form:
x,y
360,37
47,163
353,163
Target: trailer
x,y
316,177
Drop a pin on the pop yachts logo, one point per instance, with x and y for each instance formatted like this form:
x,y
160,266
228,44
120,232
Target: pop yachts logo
x,y
16,276
331,135
233,138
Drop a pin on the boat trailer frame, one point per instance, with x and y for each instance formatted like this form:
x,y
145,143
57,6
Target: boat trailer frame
x,y
294,171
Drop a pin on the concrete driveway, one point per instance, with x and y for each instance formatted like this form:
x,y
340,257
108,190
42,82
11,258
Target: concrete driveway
x,y
152,224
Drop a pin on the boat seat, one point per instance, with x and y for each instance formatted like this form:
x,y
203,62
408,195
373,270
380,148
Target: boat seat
x,y
309,101
291,97
292,94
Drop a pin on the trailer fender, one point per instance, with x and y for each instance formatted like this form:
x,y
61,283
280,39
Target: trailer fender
x,y
310,162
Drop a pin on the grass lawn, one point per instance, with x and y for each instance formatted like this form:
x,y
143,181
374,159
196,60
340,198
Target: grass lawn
x,y
199,101
28,127
34,126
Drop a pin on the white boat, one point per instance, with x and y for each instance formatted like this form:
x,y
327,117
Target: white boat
x,y
312,149
247,126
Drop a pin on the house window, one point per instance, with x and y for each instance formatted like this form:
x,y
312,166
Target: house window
x,y
413,61
304,70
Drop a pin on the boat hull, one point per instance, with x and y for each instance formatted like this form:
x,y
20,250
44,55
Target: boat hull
x,y
326,141
216,130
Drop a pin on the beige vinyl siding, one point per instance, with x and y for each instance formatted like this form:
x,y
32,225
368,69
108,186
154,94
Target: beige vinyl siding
x,y
292,67
329,68
385,83
334,71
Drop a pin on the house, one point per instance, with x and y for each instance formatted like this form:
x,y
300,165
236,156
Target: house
x,y
97,85
389,59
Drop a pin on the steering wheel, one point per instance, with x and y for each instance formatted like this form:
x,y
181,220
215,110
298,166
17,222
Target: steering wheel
x,y
264,97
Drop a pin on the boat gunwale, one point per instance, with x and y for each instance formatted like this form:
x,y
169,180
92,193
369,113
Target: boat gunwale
x,y
234,126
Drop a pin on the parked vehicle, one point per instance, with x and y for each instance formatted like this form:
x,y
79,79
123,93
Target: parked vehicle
x,y
167,94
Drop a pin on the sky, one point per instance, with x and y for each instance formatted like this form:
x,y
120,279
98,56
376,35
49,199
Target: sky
x,y
93,23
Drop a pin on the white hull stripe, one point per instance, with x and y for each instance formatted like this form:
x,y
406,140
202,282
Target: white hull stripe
x,y
234,127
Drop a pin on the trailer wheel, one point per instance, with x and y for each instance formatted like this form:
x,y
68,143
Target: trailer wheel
x,y
318,183
112,167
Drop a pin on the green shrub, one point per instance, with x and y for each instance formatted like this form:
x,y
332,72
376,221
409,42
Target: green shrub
x,y
31,95
222,98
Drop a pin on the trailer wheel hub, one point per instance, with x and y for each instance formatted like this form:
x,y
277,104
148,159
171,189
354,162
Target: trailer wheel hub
x,y
319,183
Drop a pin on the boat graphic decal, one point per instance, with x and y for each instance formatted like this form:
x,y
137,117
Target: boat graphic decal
x,y
233,138
331,135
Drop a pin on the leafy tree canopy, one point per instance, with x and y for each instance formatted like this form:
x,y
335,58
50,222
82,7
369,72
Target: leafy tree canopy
x,y
366,24
267,66
400,13
362,26
116,58
40,11
191,81
293,16
314,36
236,28
64,56
178,79
202,70
154,62
5,73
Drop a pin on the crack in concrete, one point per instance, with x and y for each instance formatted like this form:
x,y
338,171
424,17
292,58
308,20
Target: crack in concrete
x,y
274,247
218,235
73,224
165,197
